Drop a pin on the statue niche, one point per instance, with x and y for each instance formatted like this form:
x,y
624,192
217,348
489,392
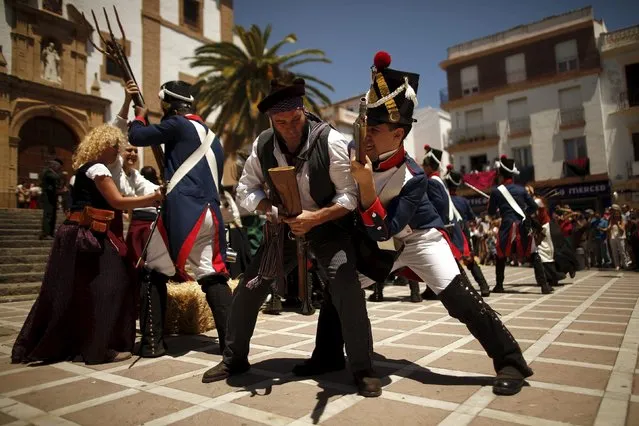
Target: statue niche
x,y
50,62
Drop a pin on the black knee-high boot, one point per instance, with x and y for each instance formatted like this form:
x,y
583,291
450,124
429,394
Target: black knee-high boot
x,y
152,314
540,275
478,275
415,296
378,293
464,303
500,269
219,297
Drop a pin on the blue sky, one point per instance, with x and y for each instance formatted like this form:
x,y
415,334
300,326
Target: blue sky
x,y
416,33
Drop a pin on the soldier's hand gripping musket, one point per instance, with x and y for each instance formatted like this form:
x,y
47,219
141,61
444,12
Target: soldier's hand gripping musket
x,y
285,184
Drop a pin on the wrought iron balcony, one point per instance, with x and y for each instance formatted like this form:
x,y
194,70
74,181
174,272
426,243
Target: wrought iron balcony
x,y
474,133
572,116
628,99
519,125
443,96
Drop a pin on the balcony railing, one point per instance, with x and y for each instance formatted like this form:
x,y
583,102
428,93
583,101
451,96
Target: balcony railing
x,y
628,99
572,116
515,76
474,133
519,125
620,38
443,96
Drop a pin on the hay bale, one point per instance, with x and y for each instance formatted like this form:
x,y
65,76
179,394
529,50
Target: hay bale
x,y
187,311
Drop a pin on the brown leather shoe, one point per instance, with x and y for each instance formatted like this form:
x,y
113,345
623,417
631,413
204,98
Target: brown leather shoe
x,y
367,385
223,371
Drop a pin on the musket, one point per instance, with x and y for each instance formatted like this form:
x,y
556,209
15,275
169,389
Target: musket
x,y
285,186
116,52
359,132
480,192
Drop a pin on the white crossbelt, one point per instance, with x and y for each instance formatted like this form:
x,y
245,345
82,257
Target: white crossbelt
x,y
452,211
204,150
511,201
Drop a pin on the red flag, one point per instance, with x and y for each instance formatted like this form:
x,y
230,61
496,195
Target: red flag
x,y
481,180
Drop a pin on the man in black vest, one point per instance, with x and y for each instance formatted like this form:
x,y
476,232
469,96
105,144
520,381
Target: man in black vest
x,y
50,184
328,195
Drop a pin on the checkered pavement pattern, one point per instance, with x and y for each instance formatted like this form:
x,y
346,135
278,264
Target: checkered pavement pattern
x,y
581,341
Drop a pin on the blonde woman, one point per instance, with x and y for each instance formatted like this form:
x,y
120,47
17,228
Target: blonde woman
x,y
86,304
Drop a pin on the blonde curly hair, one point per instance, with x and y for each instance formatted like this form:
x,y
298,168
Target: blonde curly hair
x,y
96,142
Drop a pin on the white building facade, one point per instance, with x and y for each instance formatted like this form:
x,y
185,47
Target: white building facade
x,y
55,85
535,93
620,106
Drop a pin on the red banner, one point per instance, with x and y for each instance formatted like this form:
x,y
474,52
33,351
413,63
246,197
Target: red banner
x,y
481,180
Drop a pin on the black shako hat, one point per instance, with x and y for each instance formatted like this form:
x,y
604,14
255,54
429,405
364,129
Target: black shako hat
x,y
392,96
283,97
453,178
507,167
433,156
176,91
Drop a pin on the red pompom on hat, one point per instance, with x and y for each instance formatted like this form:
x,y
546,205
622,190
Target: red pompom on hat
x,y
449,167
426,147
503,157
382,60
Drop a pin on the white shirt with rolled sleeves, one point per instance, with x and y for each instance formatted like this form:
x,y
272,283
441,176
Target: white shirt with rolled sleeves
x,y
250,189
134,184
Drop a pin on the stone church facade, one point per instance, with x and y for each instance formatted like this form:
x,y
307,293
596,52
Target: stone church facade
x,y
54,85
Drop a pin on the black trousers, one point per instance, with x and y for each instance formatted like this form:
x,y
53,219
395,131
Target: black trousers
x,y
49,210
334,252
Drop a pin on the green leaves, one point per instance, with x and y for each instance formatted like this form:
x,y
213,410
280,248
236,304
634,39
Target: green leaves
x,y
234,79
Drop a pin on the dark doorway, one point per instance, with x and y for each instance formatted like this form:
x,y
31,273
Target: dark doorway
x,y
43,139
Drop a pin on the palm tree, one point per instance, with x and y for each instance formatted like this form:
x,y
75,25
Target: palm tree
x,y
237,78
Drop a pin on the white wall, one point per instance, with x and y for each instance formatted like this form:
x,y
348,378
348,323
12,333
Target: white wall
x,y
170,10
212,24
546,137
618,126
431,124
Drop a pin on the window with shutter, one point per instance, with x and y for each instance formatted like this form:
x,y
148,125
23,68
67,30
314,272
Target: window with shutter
x,y
515,68
566,56
469,81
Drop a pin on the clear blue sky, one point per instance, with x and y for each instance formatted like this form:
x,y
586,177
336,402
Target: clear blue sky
x,y
416,33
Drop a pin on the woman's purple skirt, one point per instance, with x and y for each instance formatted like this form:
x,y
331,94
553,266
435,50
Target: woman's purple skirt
x,y
86,304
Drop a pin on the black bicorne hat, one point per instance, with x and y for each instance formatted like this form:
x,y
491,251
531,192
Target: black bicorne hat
x,y
283,97
453,178
176,91
433,157
392,96
507,167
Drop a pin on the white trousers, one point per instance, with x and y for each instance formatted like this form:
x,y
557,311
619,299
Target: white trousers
x,y
618,251
428,255
199,261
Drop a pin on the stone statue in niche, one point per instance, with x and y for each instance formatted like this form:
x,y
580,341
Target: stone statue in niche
x,y
50,60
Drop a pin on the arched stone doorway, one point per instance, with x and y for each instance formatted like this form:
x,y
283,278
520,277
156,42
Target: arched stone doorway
x,y
43,139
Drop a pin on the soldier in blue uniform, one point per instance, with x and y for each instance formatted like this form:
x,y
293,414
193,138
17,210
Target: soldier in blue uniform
x,y
191,224
518,212
463,209
454,222
395,211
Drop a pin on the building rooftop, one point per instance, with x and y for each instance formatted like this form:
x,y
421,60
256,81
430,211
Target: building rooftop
x,y
521,32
